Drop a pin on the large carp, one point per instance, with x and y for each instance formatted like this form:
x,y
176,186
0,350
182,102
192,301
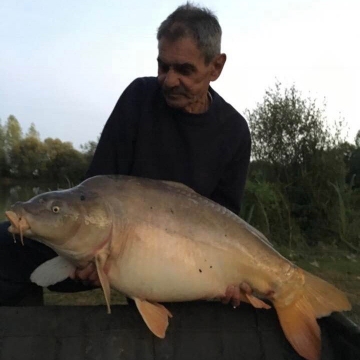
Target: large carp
x,y
159,241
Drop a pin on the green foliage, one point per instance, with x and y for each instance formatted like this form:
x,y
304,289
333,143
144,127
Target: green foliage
x,y
347,215
288,131
28,158
13,132
12,139
51,159
354,164
357,139
3,163
298,159
88,149
32,132
64,162
267,209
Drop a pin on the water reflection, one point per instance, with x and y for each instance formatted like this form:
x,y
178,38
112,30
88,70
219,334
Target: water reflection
x,y
10,194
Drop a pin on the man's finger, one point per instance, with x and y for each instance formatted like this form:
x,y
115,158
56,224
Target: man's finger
x,y
235,299
228,294
246,288
84,274
94,276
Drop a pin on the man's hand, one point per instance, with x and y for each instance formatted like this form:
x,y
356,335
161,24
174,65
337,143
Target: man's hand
x,y
236,294
87,275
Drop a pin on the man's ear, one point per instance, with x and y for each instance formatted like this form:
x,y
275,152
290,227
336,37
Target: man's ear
x,y
217,66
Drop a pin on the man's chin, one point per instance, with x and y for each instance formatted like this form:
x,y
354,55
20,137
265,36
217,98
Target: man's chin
x,y
175,102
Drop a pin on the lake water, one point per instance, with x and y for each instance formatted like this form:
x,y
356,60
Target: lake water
x,y
11,193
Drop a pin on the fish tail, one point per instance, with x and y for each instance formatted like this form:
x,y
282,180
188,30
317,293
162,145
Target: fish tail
x,y
318,298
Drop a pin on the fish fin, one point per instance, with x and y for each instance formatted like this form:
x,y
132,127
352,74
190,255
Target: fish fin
x,y
300,327
256,302
178,185
324,297
52,271
155,316
298,319
100,260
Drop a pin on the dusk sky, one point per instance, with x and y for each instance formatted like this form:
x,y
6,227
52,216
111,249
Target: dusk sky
x,y
64,64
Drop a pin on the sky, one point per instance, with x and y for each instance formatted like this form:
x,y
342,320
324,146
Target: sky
x,y
64,64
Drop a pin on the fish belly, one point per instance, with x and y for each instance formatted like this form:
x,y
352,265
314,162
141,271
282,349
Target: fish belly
x,y
171,268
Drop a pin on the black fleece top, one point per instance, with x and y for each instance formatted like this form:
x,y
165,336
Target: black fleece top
x,y
209,152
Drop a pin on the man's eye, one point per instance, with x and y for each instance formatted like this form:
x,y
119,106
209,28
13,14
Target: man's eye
x,y
163,68
184,71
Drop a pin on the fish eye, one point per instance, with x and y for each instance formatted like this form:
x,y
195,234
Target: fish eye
x,y
56,209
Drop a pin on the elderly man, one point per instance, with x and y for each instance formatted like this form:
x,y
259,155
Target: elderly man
x,y
173,127
176,127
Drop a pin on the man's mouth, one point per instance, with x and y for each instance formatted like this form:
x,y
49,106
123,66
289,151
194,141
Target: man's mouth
x,y
174,93
173,96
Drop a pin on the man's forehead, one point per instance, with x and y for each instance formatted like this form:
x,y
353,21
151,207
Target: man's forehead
x,y
179,52
176,63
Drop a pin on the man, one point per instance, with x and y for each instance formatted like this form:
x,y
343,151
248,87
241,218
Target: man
x,y
173,127
176,127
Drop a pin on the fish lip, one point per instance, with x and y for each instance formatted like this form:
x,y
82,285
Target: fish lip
x,y
14,220
18,224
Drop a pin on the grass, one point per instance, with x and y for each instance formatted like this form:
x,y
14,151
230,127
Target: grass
x,y
84,298
339,268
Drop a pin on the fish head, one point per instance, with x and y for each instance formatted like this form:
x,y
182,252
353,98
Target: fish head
x,y
56,217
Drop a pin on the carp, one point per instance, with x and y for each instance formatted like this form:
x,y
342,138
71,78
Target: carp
x,y
159,241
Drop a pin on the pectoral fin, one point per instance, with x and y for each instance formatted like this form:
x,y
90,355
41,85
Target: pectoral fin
x,y
257,303
100,260
52,271
155,316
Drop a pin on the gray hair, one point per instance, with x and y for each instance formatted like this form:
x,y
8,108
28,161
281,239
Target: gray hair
x,y
200,24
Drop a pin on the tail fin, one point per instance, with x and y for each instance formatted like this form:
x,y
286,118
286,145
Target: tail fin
x,y
298,319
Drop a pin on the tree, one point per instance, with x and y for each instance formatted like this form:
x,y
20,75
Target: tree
x,y
287,129
13,136
296,150
32,132
88,150
3,164
354,171
13,131
357,139
29,158
64,163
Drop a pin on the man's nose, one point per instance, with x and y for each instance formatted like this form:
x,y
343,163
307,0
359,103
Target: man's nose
x,y
171,79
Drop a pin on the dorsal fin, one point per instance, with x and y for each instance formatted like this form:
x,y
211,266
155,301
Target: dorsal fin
x,y
178,185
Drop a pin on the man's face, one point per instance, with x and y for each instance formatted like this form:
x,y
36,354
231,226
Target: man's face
x,y
183,74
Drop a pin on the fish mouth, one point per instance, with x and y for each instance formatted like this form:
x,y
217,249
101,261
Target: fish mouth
x,y
18,225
